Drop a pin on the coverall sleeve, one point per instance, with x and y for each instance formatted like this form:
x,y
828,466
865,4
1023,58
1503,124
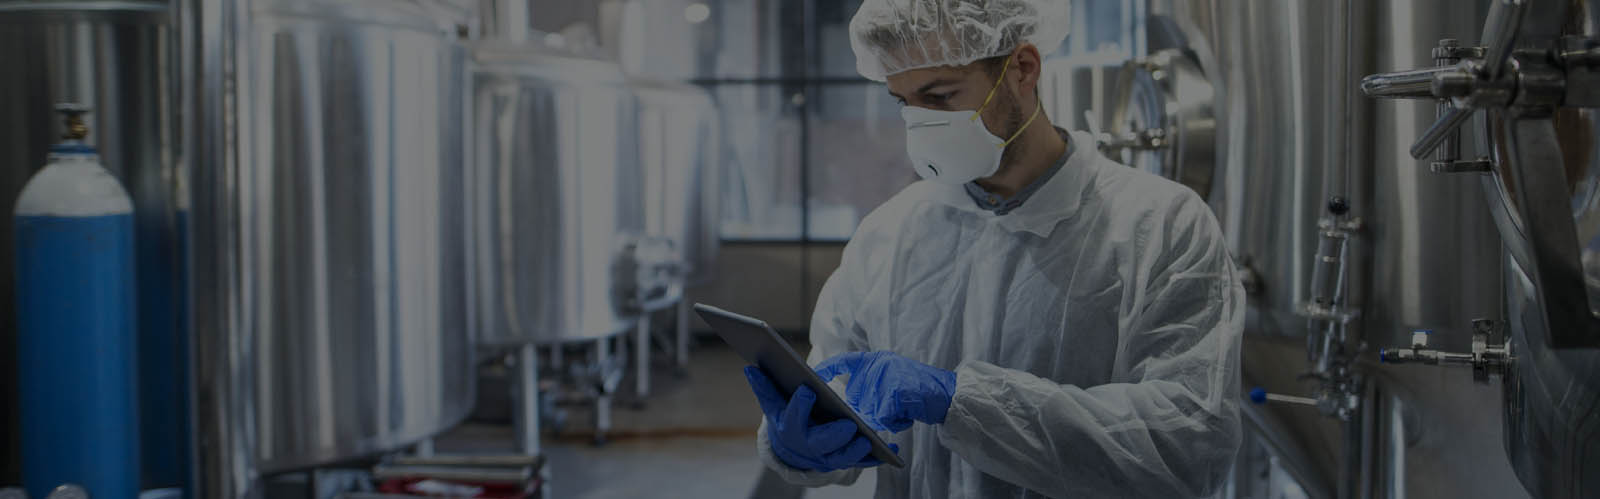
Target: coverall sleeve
x,y
834,330
1168,423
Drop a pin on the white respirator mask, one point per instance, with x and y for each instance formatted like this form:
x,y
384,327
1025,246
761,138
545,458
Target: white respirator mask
x,y
954,147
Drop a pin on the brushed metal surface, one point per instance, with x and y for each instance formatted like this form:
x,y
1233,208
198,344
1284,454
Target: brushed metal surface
x,y
1552,400
329,243
680,154
559,197
1295,132
112,56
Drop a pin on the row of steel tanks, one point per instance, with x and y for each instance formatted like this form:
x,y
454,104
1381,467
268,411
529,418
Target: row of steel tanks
x,y
595,208
351,202
1354,251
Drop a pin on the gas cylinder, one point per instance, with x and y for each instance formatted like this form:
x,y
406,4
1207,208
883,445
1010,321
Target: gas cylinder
x,y
76,340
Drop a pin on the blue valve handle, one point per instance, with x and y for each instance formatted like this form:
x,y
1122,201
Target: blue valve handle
x,y
1260,396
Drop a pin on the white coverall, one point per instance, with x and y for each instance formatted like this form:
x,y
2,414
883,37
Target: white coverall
x,y
1094,331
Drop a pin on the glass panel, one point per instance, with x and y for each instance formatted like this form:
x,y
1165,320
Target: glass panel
x,y
761,183
838,60
857,156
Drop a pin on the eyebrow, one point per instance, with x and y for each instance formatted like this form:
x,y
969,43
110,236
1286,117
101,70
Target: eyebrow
x,y
929,86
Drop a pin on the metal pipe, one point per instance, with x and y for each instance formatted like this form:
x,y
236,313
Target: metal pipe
x,y
1440,131
504,20
683,332
527,416
1413,84
223,367
641,340
1500,33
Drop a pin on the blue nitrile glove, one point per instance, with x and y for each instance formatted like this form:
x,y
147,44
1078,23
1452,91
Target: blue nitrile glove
x,y
891,391
798,442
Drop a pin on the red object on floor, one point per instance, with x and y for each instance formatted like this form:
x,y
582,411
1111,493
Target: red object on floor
x,y
490,491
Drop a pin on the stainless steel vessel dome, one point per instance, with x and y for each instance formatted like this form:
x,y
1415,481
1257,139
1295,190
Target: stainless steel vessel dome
x,y
558,196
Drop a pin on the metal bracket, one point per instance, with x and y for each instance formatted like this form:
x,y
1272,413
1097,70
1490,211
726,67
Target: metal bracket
x,y
1480,165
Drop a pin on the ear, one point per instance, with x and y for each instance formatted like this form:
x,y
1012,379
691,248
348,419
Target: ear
x,y
1029,67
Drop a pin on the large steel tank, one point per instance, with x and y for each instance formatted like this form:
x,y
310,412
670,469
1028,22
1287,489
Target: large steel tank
x,y
330,270
559,197
1291,131
679,146
115,57
1546,195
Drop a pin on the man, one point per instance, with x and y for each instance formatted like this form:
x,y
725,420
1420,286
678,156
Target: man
x,y
1031,319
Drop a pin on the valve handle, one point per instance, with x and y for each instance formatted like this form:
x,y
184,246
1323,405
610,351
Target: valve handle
x,y
1500,35
1412,84
1441,130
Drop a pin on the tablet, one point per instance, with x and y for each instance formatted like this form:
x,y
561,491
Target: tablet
x,y
762,347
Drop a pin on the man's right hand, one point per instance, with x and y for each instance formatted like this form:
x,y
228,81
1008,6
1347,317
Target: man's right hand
x,y
830,446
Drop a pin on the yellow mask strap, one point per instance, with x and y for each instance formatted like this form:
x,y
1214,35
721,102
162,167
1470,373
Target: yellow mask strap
x,y
993,89
1025,124
979,113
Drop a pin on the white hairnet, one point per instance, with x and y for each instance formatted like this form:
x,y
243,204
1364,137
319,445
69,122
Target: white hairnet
x,y
891,36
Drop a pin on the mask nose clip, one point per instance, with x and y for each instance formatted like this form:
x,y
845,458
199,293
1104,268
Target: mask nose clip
x,y
925,124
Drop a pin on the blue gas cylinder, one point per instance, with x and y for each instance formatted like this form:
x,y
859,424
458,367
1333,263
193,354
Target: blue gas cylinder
x,y
76,342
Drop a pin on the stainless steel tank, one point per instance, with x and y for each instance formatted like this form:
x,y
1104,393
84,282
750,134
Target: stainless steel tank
x,y
679,154
559,197
1546,192
331,277
114,56
1291,131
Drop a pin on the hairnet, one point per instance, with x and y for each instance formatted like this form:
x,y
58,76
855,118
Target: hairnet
x,y
892,36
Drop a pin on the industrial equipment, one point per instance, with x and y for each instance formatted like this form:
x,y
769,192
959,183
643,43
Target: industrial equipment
x,y
77,346
1536,73
679,144
332,296
564,257
1341,245
114,57
558,196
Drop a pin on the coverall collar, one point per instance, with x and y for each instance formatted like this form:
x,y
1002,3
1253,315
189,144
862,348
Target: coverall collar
x,y
1056,200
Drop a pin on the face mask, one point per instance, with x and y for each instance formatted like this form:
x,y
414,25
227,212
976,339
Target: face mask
x,y
953,147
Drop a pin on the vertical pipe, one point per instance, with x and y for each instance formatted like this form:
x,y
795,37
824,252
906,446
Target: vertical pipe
x,y
220,355
504,20
683,332
602,400
641,354
527,414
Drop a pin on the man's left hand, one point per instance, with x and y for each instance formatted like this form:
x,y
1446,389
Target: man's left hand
x,y
891,391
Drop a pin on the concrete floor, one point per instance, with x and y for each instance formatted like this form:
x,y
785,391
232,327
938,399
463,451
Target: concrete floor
x,y
693,438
